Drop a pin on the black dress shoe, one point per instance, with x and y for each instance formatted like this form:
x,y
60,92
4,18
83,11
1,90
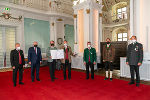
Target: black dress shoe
x,y
130,83
14,85
87,78
137,84
55,78
21,83
111,79
106,78
32,80
38,79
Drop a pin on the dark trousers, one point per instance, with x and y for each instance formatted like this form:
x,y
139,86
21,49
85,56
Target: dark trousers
x,y
91,65
33,67
134,69
108,65
52,66
20,68
65,65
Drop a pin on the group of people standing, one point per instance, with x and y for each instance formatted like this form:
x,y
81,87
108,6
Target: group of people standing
x,y
134,59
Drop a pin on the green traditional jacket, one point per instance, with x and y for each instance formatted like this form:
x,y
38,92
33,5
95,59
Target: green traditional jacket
x,y
91,53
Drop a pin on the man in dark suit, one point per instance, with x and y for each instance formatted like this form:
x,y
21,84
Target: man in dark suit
x,y
34,59
89,59
134,59
17,63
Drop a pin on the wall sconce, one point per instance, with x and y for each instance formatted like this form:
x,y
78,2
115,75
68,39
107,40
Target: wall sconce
x,y
100,14
53,24
75,15
87,11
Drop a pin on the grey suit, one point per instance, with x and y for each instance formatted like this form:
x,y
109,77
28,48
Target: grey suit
x,y
51,62
135,56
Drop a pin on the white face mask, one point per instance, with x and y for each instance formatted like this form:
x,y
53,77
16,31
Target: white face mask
x,y
89,46
133,41
65,45
18,48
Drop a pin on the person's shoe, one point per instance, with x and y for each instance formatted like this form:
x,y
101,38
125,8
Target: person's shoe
x,y
38,79
106,78
130,83
87,78
111,79
32,80
21,83
55,78
64,78
52,80
137,84
14,85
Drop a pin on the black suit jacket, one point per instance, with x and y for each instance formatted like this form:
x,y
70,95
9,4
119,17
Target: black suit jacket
x,y
135,54
14,58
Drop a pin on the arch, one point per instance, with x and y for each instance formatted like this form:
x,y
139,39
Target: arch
x,y
118,30
115,7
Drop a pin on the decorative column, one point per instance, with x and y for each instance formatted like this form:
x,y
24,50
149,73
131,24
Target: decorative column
x,y
88,24
53,33
140,27
75,27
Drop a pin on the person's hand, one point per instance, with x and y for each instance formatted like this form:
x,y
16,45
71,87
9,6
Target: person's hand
x,y
23,66
50,57
103,60
84,63
111,61
40,62
139,64
30,63
127,63
94,63
13,67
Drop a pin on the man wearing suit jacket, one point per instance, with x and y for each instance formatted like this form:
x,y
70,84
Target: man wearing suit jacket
x,y
108,58
51,62
66,62
89,59
35,59
17,63
134,59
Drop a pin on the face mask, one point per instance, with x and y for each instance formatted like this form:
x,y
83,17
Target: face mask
x,y
35,45
133,41
52,44
89,46
18,48
65,44
108,42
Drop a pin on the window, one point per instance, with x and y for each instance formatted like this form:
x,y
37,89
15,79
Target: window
x,y
122,37
122,13
7,43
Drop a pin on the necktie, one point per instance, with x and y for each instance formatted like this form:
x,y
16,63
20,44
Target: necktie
x,y
35,50
20,61
66,53
89,55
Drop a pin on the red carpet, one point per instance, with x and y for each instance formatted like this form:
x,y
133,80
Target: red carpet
x,y
78,88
